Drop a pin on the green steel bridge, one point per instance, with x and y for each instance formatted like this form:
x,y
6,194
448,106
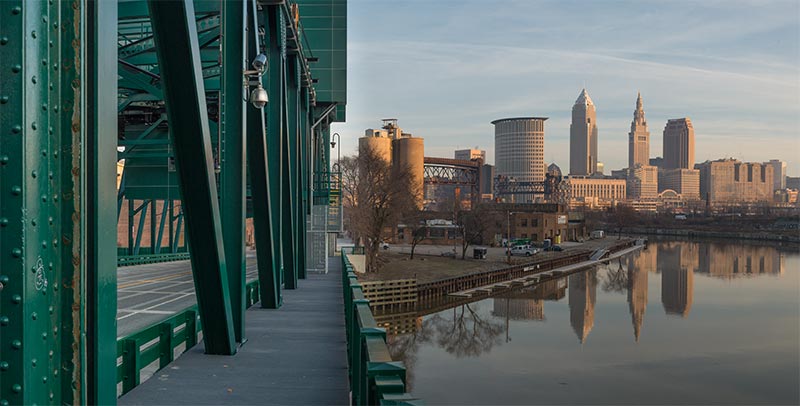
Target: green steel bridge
x,y
137,140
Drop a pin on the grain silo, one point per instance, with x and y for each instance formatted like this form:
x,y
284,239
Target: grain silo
x,y
378,141
409,152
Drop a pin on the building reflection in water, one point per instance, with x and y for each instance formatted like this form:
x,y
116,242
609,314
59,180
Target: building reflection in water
x,y
677,263
732,261
528,303
582,298
637,297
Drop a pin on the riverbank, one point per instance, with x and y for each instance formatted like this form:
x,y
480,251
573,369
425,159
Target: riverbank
x,y
711,234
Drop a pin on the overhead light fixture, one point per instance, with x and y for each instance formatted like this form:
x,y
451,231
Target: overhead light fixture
x,y
259,97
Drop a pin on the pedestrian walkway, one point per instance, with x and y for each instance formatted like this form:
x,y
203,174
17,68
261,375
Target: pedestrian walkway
x,y
294,355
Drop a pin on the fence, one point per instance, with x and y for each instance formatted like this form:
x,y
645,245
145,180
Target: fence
x,y
375,379
394,293
162,342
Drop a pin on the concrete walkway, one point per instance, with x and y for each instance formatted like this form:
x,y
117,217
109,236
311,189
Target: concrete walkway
x,y
294,355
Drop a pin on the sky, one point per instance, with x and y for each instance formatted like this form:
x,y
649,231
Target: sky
x,y
445,69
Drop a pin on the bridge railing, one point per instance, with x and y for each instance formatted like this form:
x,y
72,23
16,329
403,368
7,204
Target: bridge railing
x,y
375,379
158,344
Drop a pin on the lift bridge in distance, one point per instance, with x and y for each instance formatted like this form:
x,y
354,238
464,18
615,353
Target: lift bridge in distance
x,y
139,140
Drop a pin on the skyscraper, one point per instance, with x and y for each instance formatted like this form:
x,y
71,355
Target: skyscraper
x,y
639,137
519,149
583,137
679,144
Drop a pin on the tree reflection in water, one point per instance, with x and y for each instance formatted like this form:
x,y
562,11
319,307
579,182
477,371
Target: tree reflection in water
x,y
615,280
464,334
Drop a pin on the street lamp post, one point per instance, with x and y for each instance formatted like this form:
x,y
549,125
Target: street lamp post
x,y
508,237
338,139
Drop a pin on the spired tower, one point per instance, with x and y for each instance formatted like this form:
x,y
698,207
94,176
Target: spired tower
x,y
583,137
638,138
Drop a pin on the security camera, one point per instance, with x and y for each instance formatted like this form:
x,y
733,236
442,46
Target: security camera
x,y
259,97
260,62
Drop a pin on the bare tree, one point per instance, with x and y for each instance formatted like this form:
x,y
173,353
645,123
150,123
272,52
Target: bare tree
x,y
374,196
474,224
416,224
623,216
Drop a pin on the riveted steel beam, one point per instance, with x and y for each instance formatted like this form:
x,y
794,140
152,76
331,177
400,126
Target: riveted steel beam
x,y
57,262
175,32
269,267
291,165
275,130
232,154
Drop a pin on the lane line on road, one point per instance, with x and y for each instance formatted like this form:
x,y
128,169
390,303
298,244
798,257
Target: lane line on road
x,y
145,281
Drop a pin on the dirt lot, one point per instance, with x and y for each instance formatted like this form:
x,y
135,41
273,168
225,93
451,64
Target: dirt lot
x,y
429,264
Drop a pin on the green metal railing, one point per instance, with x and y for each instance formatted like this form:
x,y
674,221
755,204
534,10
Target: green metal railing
x,y
159,342
375,379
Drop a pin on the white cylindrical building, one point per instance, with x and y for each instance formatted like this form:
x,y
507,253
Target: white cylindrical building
x,y
519,150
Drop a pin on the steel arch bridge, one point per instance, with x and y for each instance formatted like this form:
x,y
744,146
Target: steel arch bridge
x,y
220,110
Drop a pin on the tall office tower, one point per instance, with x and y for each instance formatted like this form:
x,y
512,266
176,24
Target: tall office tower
x,y
639,137
470,154
519,149
778,173
583,137
679,144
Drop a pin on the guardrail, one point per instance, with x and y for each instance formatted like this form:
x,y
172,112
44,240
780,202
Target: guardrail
x,y
375,379
160,343
128,260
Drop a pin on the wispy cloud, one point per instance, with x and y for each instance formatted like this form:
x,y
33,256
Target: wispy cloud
x,y
446,69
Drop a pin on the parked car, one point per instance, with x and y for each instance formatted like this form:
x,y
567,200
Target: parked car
x,y
525,250
385,245
556,248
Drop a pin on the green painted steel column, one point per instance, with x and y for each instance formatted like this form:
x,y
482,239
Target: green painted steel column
x,y
175,35
304,186
276,41
27,159
57,201
99,200
293,150
269,266
232,156
287,198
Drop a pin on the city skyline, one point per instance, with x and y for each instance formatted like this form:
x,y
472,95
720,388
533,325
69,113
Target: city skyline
x,y
740,88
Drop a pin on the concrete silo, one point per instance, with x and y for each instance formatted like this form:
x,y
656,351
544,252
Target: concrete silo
x,y
409,152
378,141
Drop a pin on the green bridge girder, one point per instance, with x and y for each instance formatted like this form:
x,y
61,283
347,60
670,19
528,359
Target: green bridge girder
x,y
167,93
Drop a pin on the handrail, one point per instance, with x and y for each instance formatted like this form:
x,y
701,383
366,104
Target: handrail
x,y
158,342
375,379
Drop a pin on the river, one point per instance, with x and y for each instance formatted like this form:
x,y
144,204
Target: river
x,y
677,323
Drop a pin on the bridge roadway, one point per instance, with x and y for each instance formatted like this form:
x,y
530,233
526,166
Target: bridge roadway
x,y
293,355
152,292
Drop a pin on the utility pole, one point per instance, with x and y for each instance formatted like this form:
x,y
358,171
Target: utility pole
x,y
508,237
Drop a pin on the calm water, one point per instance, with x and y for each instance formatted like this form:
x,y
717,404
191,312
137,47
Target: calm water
x,y
681,322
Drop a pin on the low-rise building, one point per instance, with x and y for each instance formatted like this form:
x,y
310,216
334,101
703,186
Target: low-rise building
x,y
686,182
595,192
729,181
537,221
